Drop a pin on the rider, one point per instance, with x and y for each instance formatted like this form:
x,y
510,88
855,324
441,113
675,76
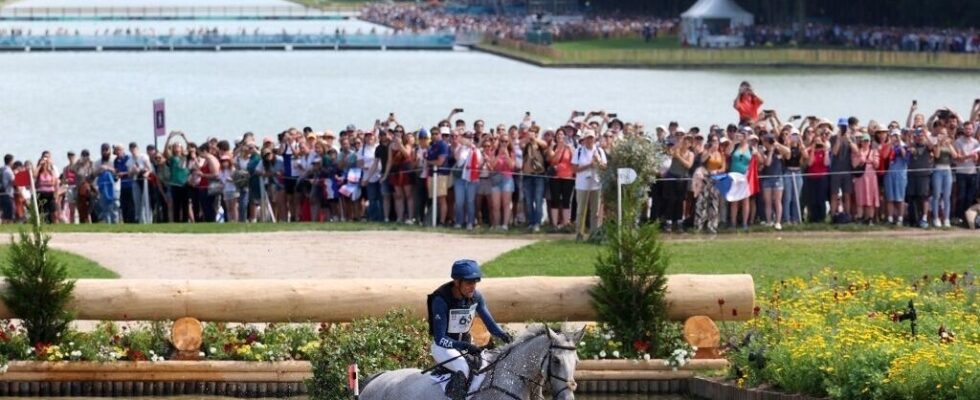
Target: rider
x,y
452,308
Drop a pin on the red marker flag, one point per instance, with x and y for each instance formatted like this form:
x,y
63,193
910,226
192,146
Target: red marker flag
x,y
352,380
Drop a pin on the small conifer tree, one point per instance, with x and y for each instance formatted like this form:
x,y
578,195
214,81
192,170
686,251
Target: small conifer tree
x,y
630,297
38,289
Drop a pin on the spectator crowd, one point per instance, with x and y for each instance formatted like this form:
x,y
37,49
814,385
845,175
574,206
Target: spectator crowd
x,y
432,19
758,170
865,37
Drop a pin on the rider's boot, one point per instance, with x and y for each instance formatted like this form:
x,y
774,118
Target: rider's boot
x,y
457,387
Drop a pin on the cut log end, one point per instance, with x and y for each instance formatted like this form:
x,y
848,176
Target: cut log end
x,y
186,335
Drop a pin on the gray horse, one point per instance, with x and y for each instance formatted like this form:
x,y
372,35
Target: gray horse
x,y
514,372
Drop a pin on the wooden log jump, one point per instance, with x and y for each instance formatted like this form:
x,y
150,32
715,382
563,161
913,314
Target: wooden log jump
x,y
267,300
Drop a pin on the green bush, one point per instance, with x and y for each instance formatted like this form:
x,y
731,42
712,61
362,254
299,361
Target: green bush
x,y
395,340
38,288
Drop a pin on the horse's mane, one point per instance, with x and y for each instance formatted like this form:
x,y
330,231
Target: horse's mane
x,y
531,333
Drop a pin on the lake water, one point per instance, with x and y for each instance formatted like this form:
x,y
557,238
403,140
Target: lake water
x,y
62,101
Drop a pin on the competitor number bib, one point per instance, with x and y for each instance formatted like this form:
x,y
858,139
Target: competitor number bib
x,y
461,319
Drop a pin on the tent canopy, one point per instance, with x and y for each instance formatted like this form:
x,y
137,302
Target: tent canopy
x,y
714,23
719,9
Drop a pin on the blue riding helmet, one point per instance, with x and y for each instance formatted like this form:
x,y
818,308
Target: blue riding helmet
x,y
467,270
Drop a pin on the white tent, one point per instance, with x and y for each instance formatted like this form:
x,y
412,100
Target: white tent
x,y
714,23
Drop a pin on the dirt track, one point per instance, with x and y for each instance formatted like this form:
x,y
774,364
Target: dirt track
x,y
298,255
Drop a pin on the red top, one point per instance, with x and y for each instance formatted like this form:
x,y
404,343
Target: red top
x,y
205,169
818,163
563,168
22,179
886,155
748,105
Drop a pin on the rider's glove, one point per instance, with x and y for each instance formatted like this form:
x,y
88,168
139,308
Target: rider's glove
x,y
473,349
506,338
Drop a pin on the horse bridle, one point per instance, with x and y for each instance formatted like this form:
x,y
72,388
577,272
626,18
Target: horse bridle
x,y
548,374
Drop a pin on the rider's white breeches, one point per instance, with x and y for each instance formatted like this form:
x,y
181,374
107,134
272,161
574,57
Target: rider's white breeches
x,y
441,354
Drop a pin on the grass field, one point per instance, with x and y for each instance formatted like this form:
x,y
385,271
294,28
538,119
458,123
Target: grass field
x,y
768,259
78,266
664,42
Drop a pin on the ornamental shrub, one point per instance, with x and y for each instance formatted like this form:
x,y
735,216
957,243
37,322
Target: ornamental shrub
x,y
38,289
643,156
396,340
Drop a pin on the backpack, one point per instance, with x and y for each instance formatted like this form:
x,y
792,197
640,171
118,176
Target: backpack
x,y
533,160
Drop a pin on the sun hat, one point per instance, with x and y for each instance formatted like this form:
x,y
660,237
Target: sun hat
x,y
329,133
753,137
895,132
444,130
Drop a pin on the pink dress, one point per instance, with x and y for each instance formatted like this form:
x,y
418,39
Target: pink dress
x,y
866,186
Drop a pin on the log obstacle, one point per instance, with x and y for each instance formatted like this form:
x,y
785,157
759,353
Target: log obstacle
x,y
267,300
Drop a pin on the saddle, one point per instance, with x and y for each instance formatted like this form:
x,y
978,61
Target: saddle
x,y
456,385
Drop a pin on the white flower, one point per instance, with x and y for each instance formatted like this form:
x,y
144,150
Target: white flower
x,y
258,345
667,362
602,354
212,350
615,353
646,357
694,348
71,344
3,368
607,336
582,344
200,354
76,353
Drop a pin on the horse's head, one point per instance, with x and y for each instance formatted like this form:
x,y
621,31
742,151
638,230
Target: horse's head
x,y
559,365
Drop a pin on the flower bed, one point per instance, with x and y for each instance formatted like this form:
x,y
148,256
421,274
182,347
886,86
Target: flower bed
x,y
844,336
149,342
